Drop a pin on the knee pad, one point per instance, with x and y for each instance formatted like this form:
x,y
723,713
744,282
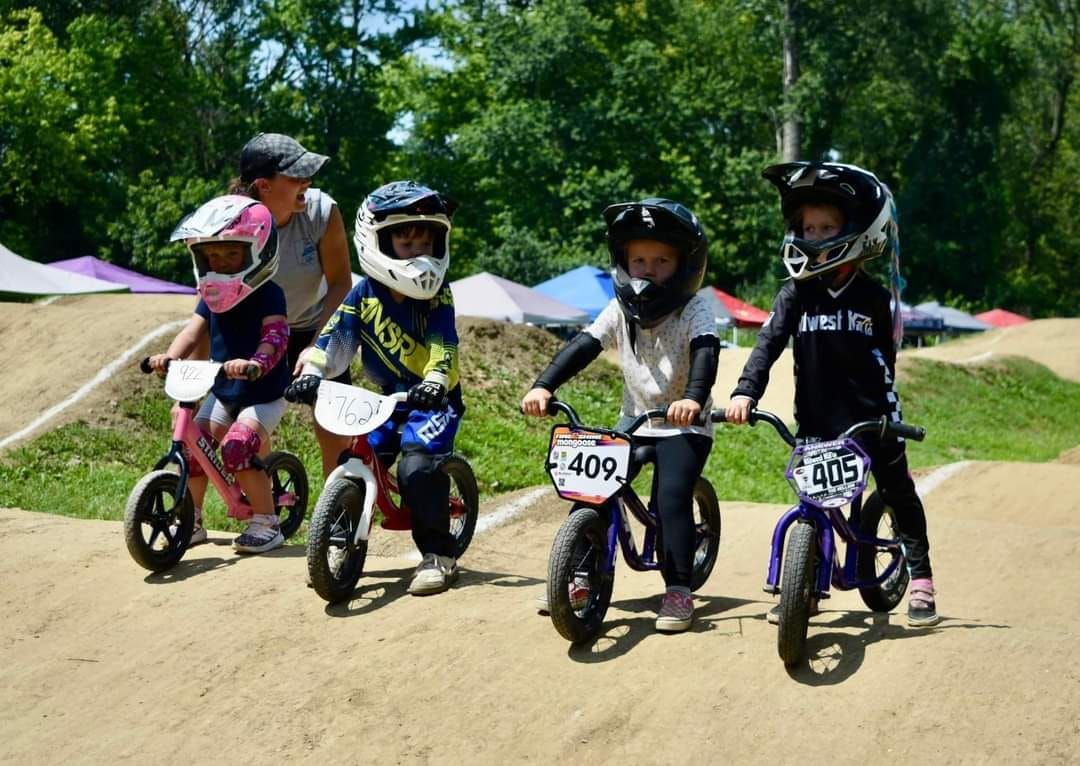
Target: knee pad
x,y
240,446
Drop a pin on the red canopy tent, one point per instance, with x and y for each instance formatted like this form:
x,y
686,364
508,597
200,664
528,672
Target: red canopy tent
x,y
1001,318
741,313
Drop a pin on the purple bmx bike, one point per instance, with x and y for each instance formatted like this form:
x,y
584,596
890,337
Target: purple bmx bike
x,y
826,476
593,468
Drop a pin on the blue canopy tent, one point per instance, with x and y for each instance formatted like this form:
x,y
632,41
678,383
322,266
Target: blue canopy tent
x,y
586,288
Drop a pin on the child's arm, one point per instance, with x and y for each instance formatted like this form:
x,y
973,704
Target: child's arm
x,y
338,341
571,359
183,344
704,356
273,344
772,340
441,372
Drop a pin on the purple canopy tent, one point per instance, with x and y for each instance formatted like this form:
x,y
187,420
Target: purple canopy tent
x,y
90,266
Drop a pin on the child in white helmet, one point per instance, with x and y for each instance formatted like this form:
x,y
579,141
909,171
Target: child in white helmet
x,y
400,316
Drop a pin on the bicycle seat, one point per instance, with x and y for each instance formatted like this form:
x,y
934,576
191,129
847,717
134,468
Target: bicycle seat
x,y
640,456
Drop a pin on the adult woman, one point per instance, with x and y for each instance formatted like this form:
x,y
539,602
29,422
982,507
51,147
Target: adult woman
x,y
313,252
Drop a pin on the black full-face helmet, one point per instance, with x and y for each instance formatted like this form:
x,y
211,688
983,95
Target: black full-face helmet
x,y
644,302
869,228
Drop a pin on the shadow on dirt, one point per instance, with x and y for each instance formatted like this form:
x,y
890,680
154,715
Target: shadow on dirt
x,y
621,635
191,567
833,657
391,584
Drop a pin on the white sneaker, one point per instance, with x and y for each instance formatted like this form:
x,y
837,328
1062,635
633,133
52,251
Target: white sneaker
x,y
198,533
433,575
773,615
262,534
542,605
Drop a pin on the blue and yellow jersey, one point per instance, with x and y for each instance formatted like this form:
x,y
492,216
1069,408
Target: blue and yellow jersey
x,y
400,344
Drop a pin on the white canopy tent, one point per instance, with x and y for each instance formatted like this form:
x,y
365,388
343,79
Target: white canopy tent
x,y
23,277
486,295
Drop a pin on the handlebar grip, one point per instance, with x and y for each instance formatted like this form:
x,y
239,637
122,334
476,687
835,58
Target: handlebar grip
x,y
718,416
916,433
144,366
253,372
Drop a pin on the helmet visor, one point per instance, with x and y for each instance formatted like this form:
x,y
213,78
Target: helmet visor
x,y
221,257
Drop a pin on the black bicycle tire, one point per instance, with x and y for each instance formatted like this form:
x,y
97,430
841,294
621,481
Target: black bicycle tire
x,y
148,487
330,587
796,591
582,525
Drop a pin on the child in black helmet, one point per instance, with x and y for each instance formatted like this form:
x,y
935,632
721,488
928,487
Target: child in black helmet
x,y
845,348
665,335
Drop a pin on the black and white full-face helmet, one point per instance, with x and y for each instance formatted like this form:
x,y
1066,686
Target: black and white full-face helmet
x,y
393,205
869,229
643,301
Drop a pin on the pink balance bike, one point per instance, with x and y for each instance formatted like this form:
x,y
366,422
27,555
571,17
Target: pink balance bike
x,y
160,514
342,520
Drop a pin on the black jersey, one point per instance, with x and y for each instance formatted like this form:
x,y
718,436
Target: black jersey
x,y
845,357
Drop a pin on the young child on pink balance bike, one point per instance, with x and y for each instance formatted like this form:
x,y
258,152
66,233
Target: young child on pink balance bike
x,y
233,244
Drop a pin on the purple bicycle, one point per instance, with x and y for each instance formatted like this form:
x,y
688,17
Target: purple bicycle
x,y
826,476
593,468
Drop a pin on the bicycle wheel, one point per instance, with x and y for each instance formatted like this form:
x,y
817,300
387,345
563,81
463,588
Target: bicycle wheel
x,y
289,484
334,561
796,590
878,520
157,525
464,501
578,589
706,532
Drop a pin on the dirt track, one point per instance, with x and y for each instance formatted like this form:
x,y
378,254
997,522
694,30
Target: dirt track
x,y
104,662
234,659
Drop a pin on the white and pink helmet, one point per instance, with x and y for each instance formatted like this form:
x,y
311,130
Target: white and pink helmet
x,y
232,218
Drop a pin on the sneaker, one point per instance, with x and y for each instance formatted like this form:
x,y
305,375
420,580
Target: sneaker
x,y
676,612
542,606
921,609
262,534
433,575
773,615
198,534
579,596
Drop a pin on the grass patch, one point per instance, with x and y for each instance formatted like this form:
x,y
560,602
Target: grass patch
x,y
1010,410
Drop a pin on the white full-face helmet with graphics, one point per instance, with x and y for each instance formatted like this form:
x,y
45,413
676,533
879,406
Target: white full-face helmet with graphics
x,y
230,219
869,229
394,205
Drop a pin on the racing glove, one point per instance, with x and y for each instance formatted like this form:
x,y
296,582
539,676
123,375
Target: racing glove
x,y
304,389
427,395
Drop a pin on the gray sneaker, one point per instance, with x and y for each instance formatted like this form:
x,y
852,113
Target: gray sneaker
x,y
433,575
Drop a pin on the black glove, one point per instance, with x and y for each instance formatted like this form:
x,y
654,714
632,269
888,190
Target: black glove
x,y
303,389
427,395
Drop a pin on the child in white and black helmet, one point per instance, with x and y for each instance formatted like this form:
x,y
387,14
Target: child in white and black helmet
x,y
838,216
665,335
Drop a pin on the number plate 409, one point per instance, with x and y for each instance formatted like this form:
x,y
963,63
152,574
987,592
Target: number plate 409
x,y
587,466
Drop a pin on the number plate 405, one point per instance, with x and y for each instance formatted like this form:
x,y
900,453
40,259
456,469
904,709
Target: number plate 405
x,y
587,466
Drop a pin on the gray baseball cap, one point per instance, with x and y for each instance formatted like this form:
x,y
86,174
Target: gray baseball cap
x,y
271,153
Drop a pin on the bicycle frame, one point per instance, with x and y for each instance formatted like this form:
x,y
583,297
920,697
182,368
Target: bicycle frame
x,y
186,432
827,523
621,535
380,488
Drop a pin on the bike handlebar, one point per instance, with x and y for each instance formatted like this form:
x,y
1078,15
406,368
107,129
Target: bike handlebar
x,y
556,406
882,425
252,372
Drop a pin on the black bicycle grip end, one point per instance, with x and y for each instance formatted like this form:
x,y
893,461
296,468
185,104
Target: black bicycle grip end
x,y
916,433
253,372
144,366
718,416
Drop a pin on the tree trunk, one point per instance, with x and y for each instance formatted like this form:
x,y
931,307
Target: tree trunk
x,y
792,130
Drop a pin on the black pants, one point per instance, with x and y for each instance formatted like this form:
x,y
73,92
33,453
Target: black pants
x,y
426,490
679,462
897,490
